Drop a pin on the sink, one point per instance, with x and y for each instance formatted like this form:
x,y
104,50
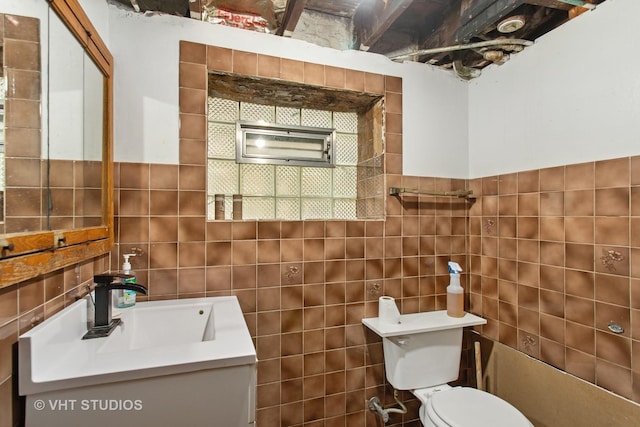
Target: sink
x,y
161,325
171,345
154,337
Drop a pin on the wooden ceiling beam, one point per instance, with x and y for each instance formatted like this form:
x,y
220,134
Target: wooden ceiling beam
x,y
464,19
371,21
482,15
551,4
291,16
444,33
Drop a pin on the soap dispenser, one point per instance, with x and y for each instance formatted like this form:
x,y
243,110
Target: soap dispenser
x,y
128,297
455,293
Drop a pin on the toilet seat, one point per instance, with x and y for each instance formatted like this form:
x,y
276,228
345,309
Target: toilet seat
x,y
465,406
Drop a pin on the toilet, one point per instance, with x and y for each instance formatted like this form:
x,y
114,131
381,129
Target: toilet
x,y
422,354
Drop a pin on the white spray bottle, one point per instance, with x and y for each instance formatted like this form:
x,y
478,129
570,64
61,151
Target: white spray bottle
x,y
455,293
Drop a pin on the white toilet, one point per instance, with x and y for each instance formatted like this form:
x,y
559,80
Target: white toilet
x,y
422,354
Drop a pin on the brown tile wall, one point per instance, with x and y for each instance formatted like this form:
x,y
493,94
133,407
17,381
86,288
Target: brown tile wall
x,y
555,257
304,286
23,306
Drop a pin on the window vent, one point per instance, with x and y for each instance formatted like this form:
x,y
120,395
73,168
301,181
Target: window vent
x,y
260,142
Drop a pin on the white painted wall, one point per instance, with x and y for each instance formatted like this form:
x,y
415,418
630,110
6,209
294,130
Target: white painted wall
x,y
146,48
435,118
572,97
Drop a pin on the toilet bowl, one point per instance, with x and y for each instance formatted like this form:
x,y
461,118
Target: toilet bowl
x,y
422,354
446,406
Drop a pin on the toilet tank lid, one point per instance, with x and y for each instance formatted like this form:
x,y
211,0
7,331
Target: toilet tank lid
x,y
464,406
427,321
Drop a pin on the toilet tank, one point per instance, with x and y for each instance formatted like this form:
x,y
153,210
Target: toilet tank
x,y
423,360
423,349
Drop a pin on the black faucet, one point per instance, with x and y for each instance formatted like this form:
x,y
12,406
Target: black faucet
x,y
105,283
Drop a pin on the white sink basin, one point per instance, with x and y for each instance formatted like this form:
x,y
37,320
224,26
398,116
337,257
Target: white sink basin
x,y
155,338
160,325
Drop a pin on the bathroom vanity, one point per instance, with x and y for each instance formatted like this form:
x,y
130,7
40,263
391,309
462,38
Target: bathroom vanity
x,y
170,363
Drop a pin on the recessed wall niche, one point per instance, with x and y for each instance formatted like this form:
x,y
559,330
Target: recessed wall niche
x,y
260,79
280,189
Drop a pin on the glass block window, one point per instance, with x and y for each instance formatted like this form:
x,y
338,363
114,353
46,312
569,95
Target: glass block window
x,y
277,191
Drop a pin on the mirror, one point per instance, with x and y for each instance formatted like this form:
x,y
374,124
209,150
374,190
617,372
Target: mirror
x,y
75,105
58,206
2,102
21,150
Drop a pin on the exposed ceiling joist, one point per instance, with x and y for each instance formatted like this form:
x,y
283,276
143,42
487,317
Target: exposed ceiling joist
x,y
371,22
444,34
483,14
291,15
552,4
419,30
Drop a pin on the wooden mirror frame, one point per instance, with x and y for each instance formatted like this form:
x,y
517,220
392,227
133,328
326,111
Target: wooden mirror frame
x,y
27,255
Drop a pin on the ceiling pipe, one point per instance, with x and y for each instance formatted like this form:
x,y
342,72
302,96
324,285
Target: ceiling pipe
x,y
487,43
464,72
